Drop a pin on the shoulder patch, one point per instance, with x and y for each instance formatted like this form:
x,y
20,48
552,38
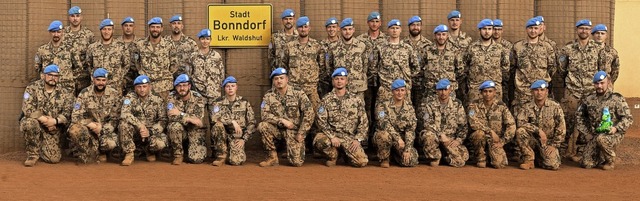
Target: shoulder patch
x,y
472,112
76,106
381,114
321,110
262,104
169,106
326,56
127,101
37,59
216,109
26,95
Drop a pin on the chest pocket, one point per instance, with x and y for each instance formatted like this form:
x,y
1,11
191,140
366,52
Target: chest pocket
x,y
292,109
239,112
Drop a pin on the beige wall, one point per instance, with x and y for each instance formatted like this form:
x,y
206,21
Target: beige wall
x,y
626,42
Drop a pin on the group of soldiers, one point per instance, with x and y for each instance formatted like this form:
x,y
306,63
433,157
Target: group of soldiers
x,y
460,98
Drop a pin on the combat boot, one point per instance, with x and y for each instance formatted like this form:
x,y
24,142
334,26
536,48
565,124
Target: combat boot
x,y
102,158
481,164
219,161
31,161
434,163
271,160
331,162
608,166
177,160
527,165
151,157
576,158
384,163
128,159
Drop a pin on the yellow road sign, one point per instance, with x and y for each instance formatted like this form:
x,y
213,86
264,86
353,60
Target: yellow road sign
x,y
240,25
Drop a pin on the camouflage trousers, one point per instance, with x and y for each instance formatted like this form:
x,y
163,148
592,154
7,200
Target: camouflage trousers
x,y
418,92
481,144
39,142
569,104
474,93
311,90
384,142
322,144
88,146
196,147
295,149
156,141
532,150
601,148
223,145
456,156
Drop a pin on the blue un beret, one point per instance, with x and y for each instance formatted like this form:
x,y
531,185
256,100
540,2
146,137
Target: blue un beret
x,y
55,26
484,23
331,21
100,72
127,20
398,83
414,19
583,22
278,71
287,13
75,10
141,79
229,79
51,69
599,27
106,22
346,22
393,22
175,18
339,72
533,22
599,76
454,14
373,15
497,23
540,18
155,20
443,84
302,21
487,84
539,84
182,78
441,28
204,33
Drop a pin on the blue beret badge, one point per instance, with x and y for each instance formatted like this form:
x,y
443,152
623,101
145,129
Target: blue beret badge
x,y
26,95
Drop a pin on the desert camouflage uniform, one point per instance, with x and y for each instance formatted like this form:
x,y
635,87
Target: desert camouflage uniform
x,y
439,64
113,57
178,128
132,72
324,85
355,57
420,47
601,146
277,47
609,62
394,61
293,106
449,120
305,63
543,38
207,73
530,120
67,60
80,41
486,118
223,133
183,48
343,118
462,41
485,63
370,42
91,108
395,124
531,62
156,61
150,112
39,142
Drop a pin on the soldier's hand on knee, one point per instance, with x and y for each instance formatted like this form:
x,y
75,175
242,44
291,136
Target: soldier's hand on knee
x,y
287,124
239,143
144,132
195,121
543,137
300,138
453,143
52,128
406,155
495,137
401,144
354,146
335,142
549,150
236,127
50,122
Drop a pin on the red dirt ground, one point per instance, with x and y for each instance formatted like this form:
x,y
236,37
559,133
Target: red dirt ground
x,y
314,181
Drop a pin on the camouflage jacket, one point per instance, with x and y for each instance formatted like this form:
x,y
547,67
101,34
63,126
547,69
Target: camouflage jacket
x,y
183,49
104,109
343,117
240,110
449,119
37,102
277,47
609,62
113,57
589,114
399,122
445,63
420,47
150,112
156,61
486,63
372,43
67,60
208,73
355,57
293,106
495,117
304,62
80,41
577,67
549,118
462,41
395,61
506,44
532,61
545,39
192,107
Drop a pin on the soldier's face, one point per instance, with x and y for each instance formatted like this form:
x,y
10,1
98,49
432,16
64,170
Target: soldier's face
x,y
601,86
394,31
486,32
280,81
183,89
230,89
600,36
128,28
75,19
176,27
339,82
583,32
51,79
347,32
374,24
415,29
399,93
488,94
497,33
106,32
454,23
442,37
142,89
332,30
288,22
99,83
444,94
205,41
303,31
56,36
540,94
542,28
533,31
155,30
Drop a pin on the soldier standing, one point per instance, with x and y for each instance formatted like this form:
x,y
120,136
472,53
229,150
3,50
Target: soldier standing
x,y
79,38
128,38
492,126
541,129
208,68
373,37
142,121
542,36
46,112
442,60
183,46
94,119
185,111
281,38
608,59
342,123
602,118
110,54
419,44
351,53
458,38
329,44
396,128
155,57
58,52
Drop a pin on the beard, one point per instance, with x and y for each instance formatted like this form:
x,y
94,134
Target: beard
x,y
155,35
99,88
415,33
